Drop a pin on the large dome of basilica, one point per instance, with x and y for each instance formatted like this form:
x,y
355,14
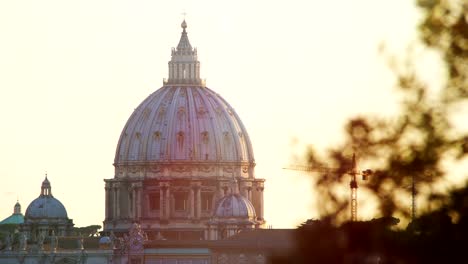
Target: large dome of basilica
x,y
184,122
178,123
176,157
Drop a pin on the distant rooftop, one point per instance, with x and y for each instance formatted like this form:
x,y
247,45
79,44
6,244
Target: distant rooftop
x,y
16,218
13,219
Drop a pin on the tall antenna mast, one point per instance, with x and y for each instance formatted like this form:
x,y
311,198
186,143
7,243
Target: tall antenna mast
x,y
413,198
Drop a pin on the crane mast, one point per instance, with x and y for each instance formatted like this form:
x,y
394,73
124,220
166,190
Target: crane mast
x,y
353,186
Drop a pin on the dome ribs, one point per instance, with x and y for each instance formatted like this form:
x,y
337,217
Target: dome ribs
x,y
214,125
184,124
192,124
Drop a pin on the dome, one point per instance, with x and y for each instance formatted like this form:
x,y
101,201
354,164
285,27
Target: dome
x,y
176,155
184,124
234,206
105,240
46,207
16,218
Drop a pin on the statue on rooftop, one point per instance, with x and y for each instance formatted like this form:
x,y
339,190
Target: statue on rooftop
x,y
40,240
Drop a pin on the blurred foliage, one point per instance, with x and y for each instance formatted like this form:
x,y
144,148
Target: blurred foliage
x,y
420,139
432,238
415,145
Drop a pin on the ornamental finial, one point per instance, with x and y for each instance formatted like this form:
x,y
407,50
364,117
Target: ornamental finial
x,y
184,24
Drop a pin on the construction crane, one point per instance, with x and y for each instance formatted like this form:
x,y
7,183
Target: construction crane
x,y
353,184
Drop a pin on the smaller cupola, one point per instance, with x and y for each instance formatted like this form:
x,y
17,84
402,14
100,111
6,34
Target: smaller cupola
x,y
232,214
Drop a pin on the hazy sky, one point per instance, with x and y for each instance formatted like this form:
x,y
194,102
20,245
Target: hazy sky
x,y
71,73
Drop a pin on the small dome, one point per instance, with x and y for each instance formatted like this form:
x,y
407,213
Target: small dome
x,y
184,24
105,240
234,206
16,218
46,207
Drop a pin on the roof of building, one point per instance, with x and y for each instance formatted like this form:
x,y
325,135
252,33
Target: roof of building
x,y
16,218
279,240
13,219
71,242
